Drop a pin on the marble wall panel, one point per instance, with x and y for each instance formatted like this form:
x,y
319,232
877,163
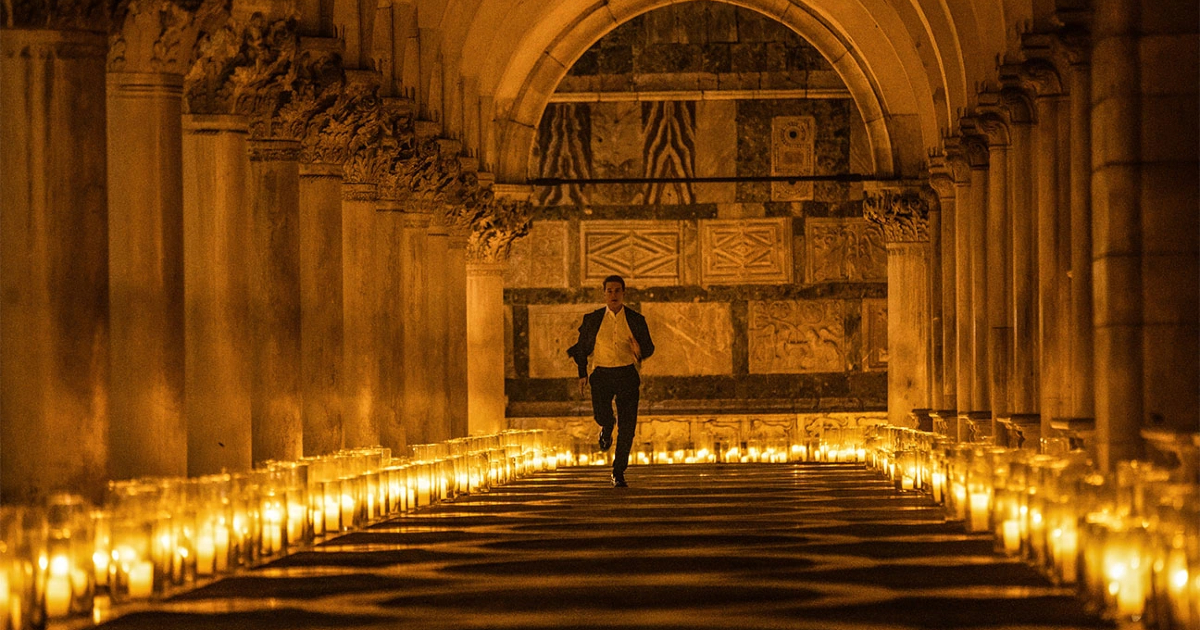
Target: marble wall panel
x,y
844,250
716,150
539,259
746,251
796,336
552,329
793,144
690,338
564,149
645,253
669,141
616,144
874,323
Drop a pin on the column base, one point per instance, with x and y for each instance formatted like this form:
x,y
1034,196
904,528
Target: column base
x,y
1020,430
1176,450
975,426
922,419
945,423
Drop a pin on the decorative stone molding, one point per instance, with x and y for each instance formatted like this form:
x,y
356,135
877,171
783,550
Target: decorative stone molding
x,y
245,69
357,119
69,15
421,176
317,89
972,143
994,127
942,176
273,150
1042,77
359,191
497,224
30,44
159,36
464,197
902,215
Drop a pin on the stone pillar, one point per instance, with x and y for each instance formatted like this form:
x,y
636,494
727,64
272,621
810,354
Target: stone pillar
x,y
393,302
321,329
942,181
438,260
904,218
417,338
456,319
998,259
936,371
485,347
1117,267
1081,341
145,241
54,417
360,317
502,221
963,286
274,266
979,413
216,247
1051,160
1023,387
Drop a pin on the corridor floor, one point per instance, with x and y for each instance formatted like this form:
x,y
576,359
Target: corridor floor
x,y
694,546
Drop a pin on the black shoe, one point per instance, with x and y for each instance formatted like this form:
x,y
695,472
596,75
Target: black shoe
x,y
605,438
618,481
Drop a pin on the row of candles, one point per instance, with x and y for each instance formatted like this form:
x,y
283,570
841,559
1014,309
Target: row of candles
x,y
156,536
1129,542
833,444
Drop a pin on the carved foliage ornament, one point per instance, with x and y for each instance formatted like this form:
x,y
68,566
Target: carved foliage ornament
x,y
494,228
159,35
62,15
903,216
245,69
464,198
319,82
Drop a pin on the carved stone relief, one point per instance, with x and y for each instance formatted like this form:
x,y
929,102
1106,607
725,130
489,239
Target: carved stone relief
x,y
539,260
794,337
552,329
793,144
746,251
691,338
645,253
844,250
874,322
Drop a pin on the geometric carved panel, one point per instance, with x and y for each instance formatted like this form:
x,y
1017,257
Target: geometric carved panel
x,y
874,335
746,251
539,259
797,336
644,253
844,250
691,338
793,141
552,329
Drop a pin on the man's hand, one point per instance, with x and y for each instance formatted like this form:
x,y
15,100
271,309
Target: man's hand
x,y
583,381
637,350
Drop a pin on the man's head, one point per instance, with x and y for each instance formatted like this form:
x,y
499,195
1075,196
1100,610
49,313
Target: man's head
x,y
614,293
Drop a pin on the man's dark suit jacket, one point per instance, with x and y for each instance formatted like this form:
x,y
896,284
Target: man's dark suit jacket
x,y
591,326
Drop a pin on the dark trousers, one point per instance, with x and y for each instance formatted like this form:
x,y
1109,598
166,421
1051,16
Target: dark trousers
x,y
622,383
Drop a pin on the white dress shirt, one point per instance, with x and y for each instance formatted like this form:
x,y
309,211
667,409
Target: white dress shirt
x,y
612,342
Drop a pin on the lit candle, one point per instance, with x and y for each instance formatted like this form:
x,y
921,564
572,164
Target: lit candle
x,y
939,484
1011,529
1068,551
58,587
979,509
141,579
221,546
206,551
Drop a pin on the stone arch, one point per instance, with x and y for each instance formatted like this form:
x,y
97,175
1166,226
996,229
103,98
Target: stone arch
x,y
886,80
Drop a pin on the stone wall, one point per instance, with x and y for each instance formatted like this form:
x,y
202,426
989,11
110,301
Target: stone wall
x,y
762,296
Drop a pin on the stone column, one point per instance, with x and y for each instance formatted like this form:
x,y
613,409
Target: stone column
x,y
501,222
998,259
979,414
393,302
216,247
942,180
963,333
321,328
362,325
54,417
439,311
417,337
1023,388
1081,341
1117,266
936,371
456,319
274,265
904,218
1052,170
145,241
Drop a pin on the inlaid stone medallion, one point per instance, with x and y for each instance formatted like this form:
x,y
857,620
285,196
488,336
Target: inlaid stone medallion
x,y
691,338
645,253
796,336
746,251
793,142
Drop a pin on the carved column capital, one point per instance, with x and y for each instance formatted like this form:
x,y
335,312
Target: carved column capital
x,y
497,224
318,87
92,16
423,177
243,68
358,121
159,36
1042,77
941,176
973,143
902,215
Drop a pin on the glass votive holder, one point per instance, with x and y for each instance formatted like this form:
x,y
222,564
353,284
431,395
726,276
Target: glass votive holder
x,y
133,573
23,567
70,579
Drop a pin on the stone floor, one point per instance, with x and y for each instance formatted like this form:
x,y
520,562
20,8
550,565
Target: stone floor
x,y
699,546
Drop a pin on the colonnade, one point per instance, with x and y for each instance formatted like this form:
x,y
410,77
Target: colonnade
x,y
225,243
1062,237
